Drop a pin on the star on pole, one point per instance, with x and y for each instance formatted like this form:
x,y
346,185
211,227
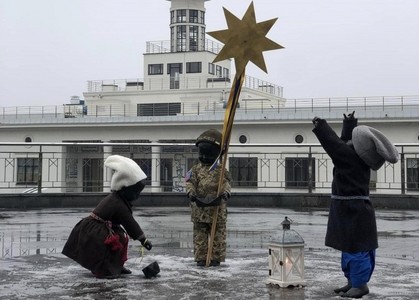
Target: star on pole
x,y
245,40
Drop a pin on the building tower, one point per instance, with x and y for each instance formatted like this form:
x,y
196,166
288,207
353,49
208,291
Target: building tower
x,y
187,25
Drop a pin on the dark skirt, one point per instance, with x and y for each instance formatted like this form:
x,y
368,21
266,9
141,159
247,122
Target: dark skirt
x,y
86,245
352,226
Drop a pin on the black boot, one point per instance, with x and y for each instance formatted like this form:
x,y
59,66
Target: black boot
x,y
356,292
125,271
343,289
214,263
200,263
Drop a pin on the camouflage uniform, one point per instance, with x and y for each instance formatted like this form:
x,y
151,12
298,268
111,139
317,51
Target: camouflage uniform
x,y
202,182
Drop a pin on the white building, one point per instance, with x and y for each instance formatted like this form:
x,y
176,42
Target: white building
x,y
181,94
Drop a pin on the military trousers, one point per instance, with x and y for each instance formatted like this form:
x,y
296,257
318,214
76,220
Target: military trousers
x,y
201,236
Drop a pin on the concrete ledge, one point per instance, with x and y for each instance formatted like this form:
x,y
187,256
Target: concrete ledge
x,y
63,200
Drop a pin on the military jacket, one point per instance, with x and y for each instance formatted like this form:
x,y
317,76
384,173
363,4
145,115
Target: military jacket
x,y
202,182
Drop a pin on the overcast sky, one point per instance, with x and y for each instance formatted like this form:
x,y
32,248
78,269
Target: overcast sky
x,y
49,49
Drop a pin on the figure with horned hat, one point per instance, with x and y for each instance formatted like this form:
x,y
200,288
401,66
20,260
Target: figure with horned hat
x,y
202,182
99,242
351,226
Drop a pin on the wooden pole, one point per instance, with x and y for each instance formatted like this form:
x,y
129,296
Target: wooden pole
x,y
233,101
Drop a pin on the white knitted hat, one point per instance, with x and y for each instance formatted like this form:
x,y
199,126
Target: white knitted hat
x,y
373,147
126,171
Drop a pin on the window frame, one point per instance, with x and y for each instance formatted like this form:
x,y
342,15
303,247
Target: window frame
x,y
300,178
30,171
244,168
194,67
159,71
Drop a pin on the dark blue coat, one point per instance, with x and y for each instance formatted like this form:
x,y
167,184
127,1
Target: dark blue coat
x,y
351,225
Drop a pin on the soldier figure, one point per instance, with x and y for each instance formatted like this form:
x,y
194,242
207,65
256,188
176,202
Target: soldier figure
x,y
202,187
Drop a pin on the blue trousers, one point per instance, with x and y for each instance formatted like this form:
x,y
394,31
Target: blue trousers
x,y
358,266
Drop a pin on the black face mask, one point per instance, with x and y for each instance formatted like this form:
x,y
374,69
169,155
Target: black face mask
x,y
132,192
208,152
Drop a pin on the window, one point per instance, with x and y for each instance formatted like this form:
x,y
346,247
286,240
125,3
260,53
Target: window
x,y
158,109
412,174
174,68
155,69
193,67
172,17
181,15
193,16
193,38
243,171
243,139
226,73
219,71
297,172
27,170
211,68
181,38
202,17
299,139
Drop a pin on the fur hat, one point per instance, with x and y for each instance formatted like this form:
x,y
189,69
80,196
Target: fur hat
x,y
373,147
126,171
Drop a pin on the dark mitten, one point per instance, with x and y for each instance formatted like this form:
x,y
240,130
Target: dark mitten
x,y
225,196
350,116
315,121
146,244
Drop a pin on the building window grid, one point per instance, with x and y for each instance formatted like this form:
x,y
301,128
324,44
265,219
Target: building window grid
x,y
155,69
218,71
297,172
181,38
27,170
194,67
193,38
244,171
193,16
181,16
211,68
202,17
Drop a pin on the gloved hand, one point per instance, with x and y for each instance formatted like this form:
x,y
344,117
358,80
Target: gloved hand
x,y
315,121
225,196
192,197
146,244
350,116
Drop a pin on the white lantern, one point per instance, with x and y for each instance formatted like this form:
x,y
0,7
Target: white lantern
x,y
286,258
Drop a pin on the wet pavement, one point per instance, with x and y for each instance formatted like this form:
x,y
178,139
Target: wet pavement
x,y
32,266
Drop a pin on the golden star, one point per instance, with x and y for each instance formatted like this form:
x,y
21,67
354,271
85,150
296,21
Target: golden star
x,y
245,40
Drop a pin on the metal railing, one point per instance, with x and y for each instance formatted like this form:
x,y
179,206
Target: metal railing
x,y
255,168
391,105
181,83
164,46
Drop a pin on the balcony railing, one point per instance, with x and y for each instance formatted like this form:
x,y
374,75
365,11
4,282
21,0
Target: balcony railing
x,y
255,168
157,47
366,107
181,83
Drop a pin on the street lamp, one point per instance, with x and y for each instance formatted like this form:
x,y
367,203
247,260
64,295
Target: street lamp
x,y
286,258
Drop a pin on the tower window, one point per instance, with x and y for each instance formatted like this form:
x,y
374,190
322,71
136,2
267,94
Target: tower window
x,y
202,15
193,38
181,38
194,67
181,16
193,16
